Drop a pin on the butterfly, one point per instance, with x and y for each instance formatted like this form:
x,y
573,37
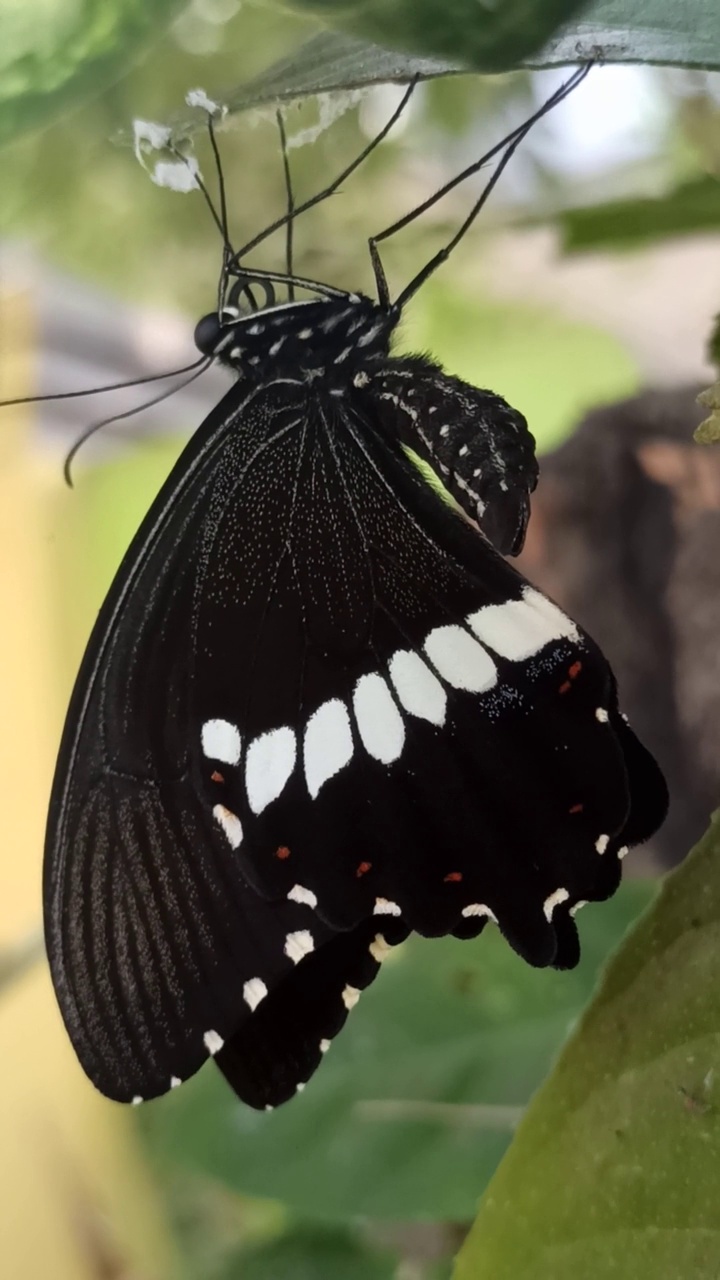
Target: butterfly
x,y
319,710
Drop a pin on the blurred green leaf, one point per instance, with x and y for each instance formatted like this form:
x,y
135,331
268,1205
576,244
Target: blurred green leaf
x,y
551,368
714,342
310,1253
416,1101
54,53
708,432
615,1170
617,224
15,961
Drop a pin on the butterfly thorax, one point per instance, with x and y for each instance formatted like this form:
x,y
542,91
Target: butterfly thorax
x,y
324,339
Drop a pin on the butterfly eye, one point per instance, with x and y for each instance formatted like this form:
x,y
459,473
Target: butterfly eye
x,y
207,333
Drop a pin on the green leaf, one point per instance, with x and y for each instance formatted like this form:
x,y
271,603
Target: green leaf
x,y
618,224
489,35
615,1171
683,33
416,1100
310,1253
54,53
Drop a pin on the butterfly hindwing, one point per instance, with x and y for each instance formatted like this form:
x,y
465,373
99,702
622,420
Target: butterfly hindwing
x,y
441,746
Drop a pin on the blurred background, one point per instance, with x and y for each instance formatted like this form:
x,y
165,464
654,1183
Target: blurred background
x,y
571,295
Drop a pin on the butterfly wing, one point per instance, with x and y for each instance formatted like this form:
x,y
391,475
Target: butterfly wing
x,y
317,710
159,949
422,735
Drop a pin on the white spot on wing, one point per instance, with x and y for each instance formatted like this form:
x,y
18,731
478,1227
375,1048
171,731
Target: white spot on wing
x,y
175,1082
350,996
379,949
418,689
478,909
213,1042
299,893
254,991
221,741
602,843
582,902
623,851
269,763
298,945
328,744
325,1045
230,824
137,1100
383,907
460,660
379,722
549,905
602,715
519,629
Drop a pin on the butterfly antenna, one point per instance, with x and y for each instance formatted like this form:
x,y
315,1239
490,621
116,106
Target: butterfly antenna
x,y
290,215
111,386
507,147
333,186
219,218
120,417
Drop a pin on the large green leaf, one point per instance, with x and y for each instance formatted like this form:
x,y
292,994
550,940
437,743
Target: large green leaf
x,y
499,35
615,1170
53,53
427,38
683,33
489,35
417,1099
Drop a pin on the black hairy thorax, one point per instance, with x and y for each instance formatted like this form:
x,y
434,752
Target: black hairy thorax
x,y
326,338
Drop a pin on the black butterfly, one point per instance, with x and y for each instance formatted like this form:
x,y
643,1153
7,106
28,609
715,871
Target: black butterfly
x,y
319,710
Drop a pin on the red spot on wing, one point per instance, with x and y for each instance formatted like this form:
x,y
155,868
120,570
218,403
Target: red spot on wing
x,y
363,868
577,808
453,878
283,852
216,777
573,673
